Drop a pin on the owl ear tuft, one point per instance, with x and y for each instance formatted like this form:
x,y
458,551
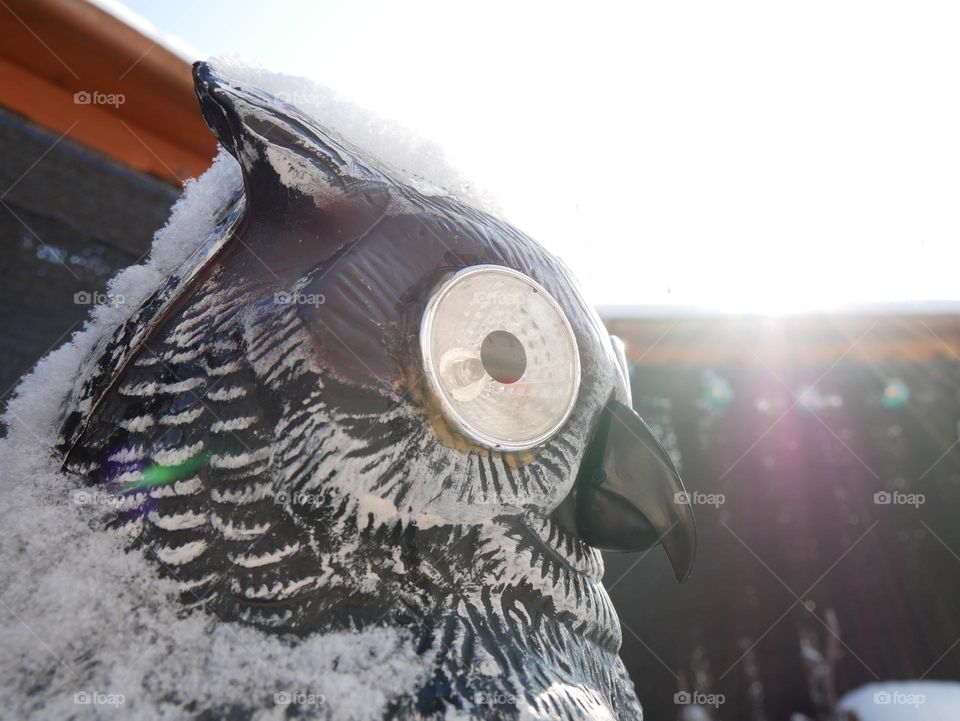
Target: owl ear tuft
x,y
282,152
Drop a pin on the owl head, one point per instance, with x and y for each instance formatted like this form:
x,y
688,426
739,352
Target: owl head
x,y
364,401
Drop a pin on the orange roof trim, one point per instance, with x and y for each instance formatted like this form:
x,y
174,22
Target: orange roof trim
x,y
81,72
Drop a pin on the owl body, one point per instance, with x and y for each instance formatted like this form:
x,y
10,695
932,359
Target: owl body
x,y
269,426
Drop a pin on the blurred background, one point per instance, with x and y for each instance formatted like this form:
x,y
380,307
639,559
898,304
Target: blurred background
x,y
760,198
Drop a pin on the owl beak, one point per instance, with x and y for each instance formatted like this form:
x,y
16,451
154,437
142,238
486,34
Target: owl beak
x,y
629,495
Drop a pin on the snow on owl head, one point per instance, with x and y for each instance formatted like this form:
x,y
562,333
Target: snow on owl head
x,y
366,403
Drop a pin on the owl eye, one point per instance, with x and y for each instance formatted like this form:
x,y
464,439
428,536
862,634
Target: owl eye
x,y
500,356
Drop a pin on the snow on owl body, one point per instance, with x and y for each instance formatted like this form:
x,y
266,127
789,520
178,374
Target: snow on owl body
x,y
364,404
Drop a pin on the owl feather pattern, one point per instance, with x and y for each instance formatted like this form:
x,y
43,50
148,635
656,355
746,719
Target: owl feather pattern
x,y
269,427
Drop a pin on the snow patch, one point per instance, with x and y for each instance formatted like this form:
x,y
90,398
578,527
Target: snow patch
x,y
421,163
80,616
904,701
85,623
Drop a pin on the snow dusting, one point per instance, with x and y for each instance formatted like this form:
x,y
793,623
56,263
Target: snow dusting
x,y
420,162
91,631
903,701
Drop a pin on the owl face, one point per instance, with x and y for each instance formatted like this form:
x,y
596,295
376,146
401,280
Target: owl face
x,y
482,345
462,325
369,402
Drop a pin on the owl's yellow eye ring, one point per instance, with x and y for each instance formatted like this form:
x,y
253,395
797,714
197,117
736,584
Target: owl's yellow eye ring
x,y
501,357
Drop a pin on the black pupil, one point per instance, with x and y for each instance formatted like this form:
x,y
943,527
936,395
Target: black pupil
x,y
503,356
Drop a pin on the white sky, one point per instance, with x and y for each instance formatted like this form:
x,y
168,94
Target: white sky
x,y
758,156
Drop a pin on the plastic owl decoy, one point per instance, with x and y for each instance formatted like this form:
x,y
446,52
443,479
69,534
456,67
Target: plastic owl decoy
x,y
362,403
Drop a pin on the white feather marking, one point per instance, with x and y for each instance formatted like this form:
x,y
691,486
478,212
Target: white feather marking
x,y
238,533
278,590
197,582
243,496
126,454
233,424
127,477
182,386
186,356
222,370
179,555
227,394
238,460
182,419
178,521
176,456
137,425
252,561
181,488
